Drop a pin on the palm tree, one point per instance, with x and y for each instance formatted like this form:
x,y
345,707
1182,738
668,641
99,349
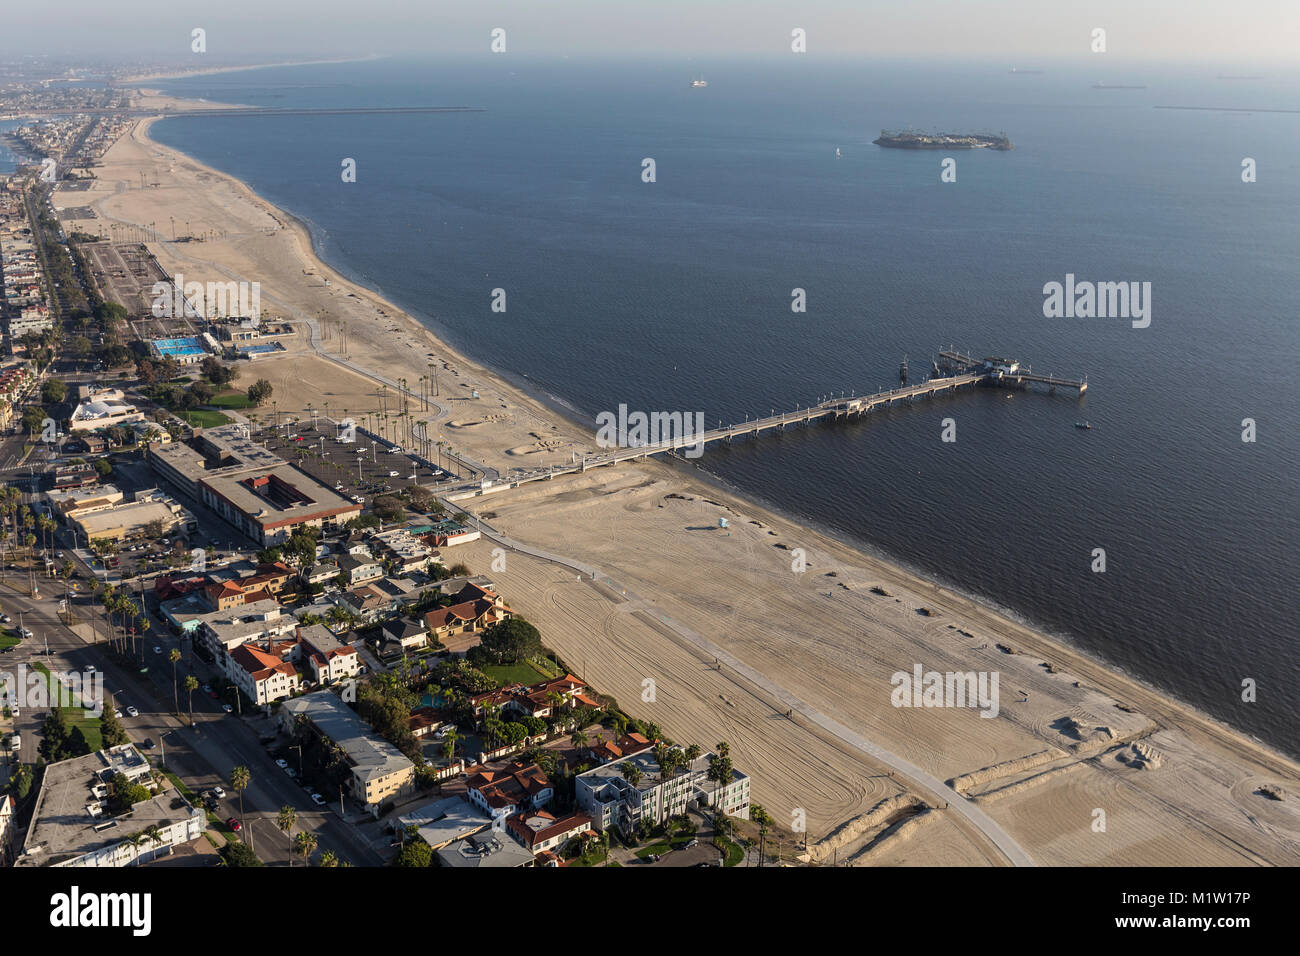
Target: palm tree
x,y
175,657
305,843
578,738
240,778
328,859
29,539
449,744
285,821
191,685
720,769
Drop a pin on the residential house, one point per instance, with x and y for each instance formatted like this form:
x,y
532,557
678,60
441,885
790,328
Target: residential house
x,y
359,569
265,674
516,789
540,831
328,659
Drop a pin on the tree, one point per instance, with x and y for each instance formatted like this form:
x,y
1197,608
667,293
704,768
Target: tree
x,y
287,817
111,729
259,393
720,769
328,859
240,778
305,843
239,853
415,853
53,391
509,640
175,657
191,685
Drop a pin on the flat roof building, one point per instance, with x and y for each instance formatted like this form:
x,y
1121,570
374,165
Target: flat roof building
x,y
71,825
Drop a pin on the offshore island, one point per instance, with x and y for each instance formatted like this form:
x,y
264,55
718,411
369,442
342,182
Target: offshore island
x,y
912,139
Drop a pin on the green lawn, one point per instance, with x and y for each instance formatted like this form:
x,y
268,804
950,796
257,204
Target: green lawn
x,y
203,418
231,399
75,715
8,638
521,673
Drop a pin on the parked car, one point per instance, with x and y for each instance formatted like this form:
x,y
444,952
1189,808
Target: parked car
x,y
148,744
234,824
207,688
227,708
132,712
691,843
213,694
6,619
317,799
282,763
392,474
289,771
157,648
218,792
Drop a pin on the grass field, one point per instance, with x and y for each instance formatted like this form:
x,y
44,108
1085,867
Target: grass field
x,y
204,418
8,638
521,673
76,715
231,399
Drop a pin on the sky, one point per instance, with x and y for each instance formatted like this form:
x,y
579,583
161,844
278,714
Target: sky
x,y
1015,31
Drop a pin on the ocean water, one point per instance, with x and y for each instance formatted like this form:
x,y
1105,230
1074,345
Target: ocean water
x,y
676,295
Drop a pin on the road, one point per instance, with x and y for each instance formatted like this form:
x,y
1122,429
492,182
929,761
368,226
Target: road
x,y
202,756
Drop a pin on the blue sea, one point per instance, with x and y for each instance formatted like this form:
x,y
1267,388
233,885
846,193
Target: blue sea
x,y
676,295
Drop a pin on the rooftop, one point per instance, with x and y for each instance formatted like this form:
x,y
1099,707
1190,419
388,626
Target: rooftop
x,y
370,755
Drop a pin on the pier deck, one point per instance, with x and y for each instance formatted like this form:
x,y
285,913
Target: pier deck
x,y
956,370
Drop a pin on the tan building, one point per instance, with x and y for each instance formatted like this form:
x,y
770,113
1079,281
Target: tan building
x,y
380,773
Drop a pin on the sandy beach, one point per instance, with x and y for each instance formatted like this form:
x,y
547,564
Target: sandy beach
x,y
1080,766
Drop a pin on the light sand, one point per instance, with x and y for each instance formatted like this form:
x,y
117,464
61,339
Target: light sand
x,y
829,641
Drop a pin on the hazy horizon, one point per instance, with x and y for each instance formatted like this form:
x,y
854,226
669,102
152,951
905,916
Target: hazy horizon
x,y
1015,31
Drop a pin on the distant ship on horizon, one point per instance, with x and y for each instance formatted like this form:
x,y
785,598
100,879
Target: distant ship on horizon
x,y
701,81
1099,85
1016,69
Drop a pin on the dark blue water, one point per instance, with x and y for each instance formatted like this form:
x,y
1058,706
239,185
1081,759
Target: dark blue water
x,y
676,295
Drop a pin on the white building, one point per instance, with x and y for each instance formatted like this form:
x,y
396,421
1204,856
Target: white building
x,y
71,824
610,799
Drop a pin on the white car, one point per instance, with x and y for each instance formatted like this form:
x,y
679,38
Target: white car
x,y
227,708
317,799
132,712
16,713
157,648
282,763
117,713
394,474
90,668
218,792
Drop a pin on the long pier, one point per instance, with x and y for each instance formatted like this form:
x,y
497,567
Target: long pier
x,y
953,370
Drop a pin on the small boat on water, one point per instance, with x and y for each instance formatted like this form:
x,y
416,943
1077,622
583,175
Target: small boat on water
x,y
1084,425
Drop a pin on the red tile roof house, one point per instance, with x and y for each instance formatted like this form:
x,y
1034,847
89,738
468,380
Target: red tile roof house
x,y
266,675
607,751
468,617
516,789
540,832
536,700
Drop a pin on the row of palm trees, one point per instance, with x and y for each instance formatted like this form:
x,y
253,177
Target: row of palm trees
x,y
672,760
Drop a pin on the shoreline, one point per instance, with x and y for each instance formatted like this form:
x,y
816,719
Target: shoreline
x,y
996,620
1062,643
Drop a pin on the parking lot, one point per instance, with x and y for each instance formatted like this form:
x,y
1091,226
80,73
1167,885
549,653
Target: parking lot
x,y
362,468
